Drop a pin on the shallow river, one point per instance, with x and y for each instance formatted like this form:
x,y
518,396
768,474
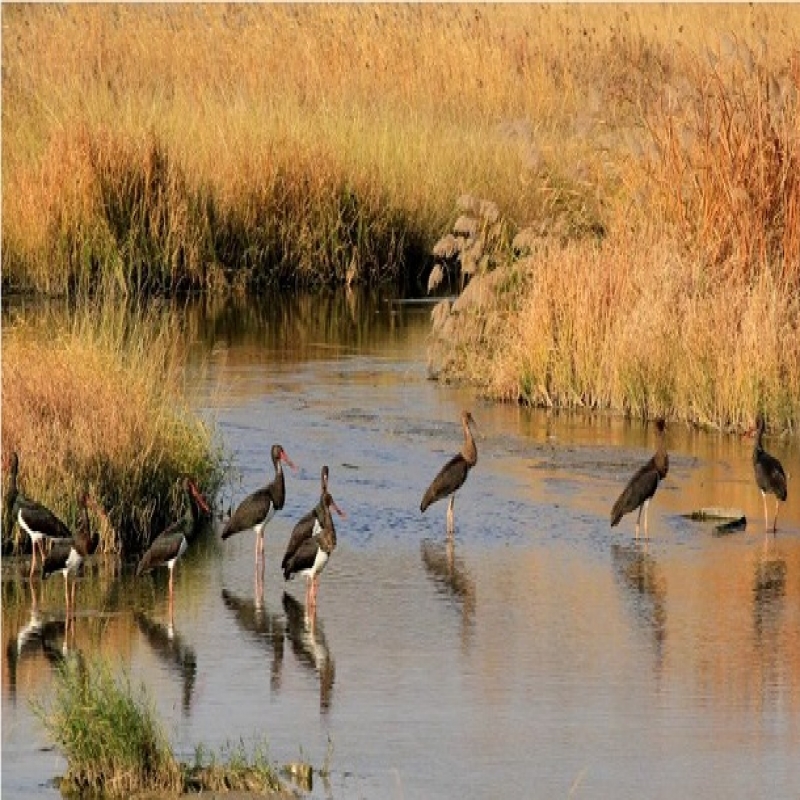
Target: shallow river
x,y
542,655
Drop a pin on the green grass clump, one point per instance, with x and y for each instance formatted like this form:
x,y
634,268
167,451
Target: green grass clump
x,y
116,747
235,770
104,404
108,733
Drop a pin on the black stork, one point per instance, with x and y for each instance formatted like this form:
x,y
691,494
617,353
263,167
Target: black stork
x,y
310,524
67,555
770,476
171,544
37,521
313,553
256,510
642,486
453,474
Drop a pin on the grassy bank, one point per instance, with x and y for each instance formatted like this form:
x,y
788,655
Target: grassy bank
x,y
115,746
649,153
163,147
103,404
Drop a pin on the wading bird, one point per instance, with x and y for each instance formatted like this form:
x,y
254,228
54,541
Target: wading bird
x,y
172,543
67,555
770,477
310,524
642,486
256,510
37,521
453,474
312,555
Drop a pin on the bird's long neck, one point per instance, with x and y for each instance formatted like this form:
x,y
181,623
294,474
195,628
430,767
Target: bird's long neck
x,y
191,514
278,487
83,536
469,450
758,447
661,458
328,535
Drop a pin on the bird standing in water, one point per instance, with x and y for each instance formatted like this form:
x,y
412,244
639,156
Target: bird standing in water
x,y
642,486
172,543
453,474
67,555
313,553
256,510
310,524
770,476
38,522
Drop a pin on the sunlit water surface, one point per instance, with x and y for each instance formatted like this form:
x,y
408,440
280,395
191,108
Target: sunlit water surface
x,y
540,655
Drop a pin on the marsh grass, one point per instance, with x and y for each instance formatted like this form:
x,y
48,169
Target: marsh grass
x,y
653,149
114,745
108,732
104,404
164,147
600,329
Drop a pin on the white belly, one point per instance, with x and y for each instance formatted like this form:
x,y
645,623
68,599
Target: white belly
x,y
181,551
319,564
36,536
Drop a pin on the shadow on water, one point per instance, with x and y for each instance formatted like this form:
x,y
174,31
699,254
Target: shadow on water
x,y
452,578
645,589
309,645
769,593
170,647
262,626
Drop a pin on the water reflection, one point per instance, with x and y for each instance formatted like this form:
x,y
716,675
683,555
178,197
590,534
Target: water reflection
x,y
262,625
769,592
170,647
294,323
452,578
307,636
640,578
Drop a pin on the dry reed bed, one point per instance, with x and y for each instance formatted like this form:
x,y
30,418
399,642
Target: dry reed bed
x,y
605,329
163,147
103,405
186,146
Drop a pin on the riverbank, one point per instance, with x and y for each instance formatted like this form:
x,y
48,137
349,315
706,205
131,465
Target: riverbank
x,y
644,159
102,404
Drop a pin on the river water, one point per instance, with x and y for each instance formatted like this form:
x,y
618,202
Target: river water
x,y
539,654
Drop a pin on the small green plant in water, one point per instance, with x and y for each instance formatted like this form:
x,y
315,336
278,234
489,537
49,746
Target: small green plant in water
x,y
108,731
116,747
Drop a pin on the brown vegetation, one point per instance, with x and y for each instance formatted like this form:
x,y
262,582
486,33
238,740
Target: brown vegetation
x,y
104,405
649,152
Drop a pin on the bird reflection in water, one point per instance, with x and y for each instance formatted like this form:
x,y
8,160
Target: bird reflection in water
x,y
769,590
43,635
451,577
309,645
253,617
637,572
170,647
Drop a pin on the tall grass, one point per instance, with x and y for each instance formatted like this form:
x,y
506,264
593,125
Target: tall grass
x,y
235,146
109,733
103,404
176,146
643,333
115,746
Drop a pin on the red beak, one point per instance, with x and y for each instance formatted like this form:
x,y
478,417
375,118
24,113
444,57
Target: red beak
x,y
199,497
337,509
287,460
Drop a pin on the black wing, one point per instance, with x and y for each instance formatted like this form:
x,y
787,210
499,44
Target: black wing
x,y
642,486
451,477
